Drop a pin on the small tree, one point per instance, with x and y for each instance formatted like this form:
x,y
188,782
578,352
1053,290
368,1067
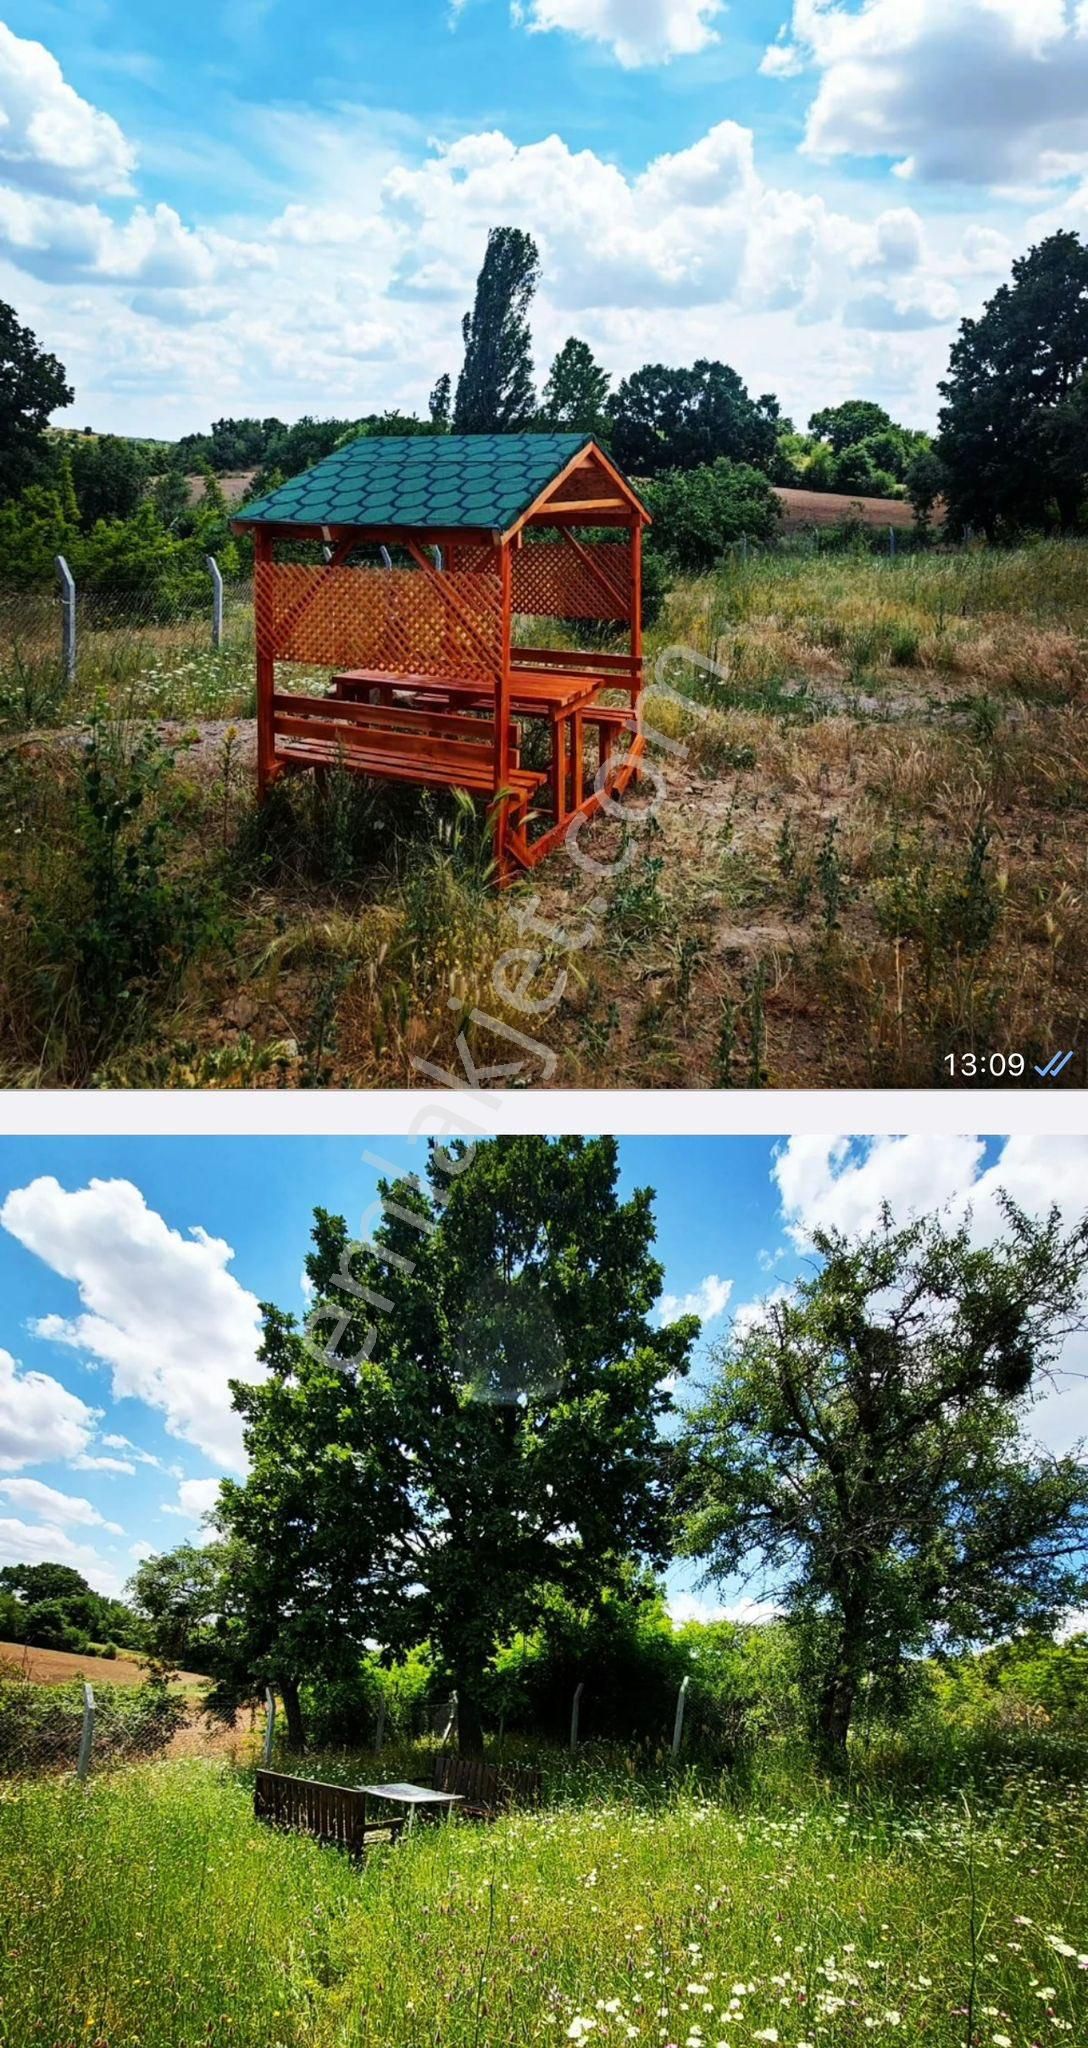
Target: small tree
x,y
576,392
699,513
495,389
439,402
925,484
864,1438
32,386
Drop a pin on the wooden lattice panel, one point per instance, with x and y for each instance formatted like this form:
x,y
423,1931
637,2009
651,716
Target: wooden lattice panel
x,y
590,481
396,620
551,580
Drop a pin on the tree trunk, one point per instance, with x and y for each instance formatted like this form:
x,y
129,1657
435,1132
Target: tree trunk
x,y
470,1727
292,1707
839,1691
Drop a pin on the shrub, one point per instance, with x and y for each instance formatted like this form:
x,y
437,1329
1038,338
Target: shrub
x,y
699,513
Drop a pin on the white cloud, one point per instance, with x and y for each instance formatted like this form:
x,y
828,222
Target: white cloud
x,y
196,1499
141,1550
40,1421
60,239
45,1543
161,1310
61,1508
637,32
979,90
88,1461
685,1607
707,1301
50,139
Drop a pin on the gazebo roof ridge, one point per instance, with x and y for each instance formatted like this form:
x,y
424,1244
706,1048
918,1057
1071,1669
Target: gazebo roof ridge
x,y
432,482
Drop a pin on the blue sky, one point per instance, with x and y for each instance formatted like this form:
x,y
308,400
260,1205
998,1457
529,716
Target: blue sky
x,y
261,207
130,1272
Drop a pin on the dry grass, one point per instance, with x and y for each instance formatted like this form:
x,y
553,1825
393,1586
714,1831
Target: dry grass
x,y
867,851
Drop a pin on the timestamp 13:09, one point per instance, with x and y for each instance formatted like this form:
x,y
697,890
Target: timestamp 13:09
x,y
990,1066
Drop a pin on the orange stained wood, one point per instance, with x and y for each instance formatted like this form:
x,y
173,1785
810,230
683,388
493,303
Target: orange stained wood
x,y
437,645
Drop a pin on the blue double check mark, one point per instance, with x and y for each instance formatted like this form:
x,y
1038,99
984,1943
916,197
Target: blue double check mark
x,y
1054,1067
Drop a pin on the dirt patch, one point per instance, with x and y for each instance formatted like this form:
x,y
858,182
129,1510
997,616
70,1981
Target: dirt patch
x,y
59,1667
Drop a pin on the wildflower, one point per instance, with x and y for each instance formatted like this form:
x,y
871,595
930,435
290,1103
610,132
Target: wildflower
x,y
766,2034
579,2028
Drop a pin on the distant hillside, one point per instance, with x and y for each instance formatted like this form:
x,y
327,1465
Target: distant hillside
x,y
831,508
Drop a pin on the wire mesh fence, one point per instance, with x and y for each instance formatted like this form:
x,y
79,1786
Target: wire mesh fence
x,y
151,652
78,1728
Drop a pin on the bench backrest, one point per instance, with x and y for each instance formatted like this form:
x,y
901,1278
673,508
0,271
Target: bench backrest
x,y
493,1787
332,1813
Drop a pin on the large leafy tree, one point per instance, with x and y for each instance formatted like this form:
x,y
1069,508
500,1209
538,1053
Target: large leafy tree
x,y
495,388
576,393
32,386
526,1381
865,1440
667,418
1014,426
321,1527
843,426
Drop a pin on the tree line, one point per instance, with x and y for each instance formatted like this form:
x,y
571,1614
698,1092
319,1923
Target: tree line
x,y
477,1439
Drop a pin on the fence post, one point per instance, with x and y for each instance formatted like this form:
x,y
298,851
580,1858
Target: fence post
x,y
216,575
744,549
891,541
575,1706
678,1724
270,1724
379,1732
86,1739
67,616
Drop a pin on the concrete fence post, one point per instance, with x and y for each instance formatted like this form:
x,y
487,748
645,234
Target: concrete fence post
x,y
379,1732
575,1710
891,542
387,559
86,1740
216,575
678,1724
67,616
269,1725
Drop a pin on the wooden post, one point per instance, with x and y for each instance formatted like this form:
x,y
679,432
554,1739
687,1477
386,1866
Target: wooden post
x,y
263,567
270,1724
636,615
503,762
86,1739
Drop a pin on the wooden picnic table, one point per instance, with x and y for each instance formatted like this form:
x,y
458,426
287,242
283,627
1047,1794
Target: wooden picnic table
x,y
564,700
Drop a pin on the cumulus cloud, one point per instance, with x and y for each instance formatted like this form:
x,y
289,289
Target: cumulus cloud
x,y
40,1421
196,1499
637,32
61,1508
983,91
51,140
45,1543
59,239
707,1301
161,1310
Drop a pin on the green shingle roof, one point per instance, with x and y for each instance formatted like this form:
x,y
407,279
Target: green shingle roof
x,y
424,480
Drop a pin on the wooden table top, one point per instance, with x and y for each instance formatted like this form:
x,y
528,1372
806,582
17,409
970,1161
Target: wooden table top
x,y
529,691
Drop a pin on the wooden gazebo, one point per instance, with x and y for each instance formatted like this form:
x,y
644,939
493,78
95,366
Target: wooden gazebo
x,y
400,565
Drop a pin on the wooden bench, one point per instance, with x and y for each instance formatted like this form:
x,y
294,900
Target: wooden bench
x,y
335,1814
486,1789
397,742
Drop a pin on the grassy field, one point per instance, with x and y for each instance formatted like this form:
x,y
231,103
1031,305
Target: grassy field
x,y
863,849
151,1911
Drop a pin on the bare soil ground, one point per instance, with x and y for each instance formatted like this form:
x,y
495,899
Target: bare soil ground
x,y
835,508
59,1667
